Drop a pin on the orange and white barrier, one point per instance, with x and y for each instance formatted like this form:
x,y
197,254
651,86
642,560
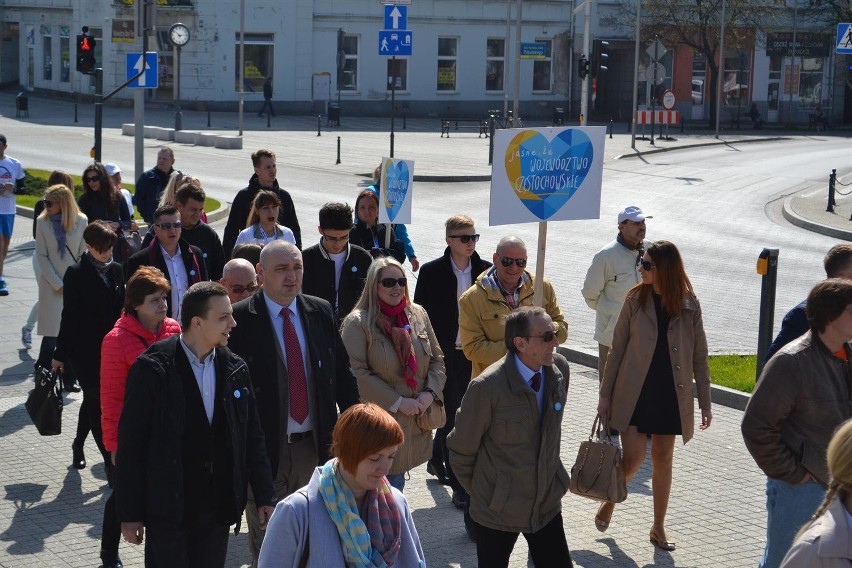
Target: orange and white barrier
x,y
659,117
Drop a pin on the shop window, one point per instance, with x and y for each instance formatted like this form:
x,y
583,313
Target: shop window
x,y
65,59
349,73
737,79
258,61
447,52
810,81
542,71
495,61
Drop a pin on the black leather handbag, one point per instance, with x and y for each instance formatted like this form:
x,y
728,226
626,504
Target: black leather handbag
x,y
44,404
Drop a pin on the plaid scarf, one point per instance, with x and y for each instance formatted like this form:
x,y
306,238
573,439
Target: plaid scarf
x,y
394,323
367,543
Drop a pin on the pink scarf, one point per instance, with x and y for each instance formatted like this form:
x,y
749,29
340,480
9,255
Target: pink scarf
x,y
394,323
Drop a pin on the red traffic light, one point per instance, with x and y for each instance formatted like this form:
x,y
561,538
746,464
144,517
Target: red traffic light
x,y
85,45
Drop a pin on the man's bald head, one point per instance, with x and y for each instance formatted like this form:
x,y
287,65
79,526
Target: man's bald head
x,y
240,279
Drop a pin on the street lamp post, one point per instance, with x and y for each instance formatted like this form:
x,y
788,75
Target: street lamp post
x,y
721,74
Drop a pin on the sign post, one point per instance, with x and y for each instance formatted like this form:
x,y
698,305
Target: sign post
x,y
395,40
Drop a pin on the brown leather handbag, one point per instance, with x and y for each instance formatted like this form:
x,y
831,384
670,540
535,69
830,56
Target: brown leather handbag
x,y
598,472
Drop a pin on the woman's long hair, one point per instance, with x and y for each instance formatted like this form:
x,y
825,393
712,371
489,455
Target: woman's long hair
x,y
177,180
670,277
840,467
107,194
67,206
369,300
62,178
262,199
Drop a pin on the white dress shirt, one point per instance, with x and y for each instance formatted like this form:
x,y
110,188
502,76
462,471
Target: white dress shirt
x,y
177,278
463,282
205,377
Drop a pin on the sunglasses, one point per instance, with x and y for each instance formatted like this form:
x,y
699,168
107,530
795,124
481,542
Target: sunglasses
x,y
48,203
243,289
90,179
547,336
465,238
647,265
507,262
167,226
391,282
342,239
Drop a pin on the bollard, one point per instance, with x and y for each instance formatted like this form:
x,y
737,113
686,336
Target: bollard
x,y
75,112
268,119
208,117
491,139
767,266
404,116
610,129
338,150
832,177
319,125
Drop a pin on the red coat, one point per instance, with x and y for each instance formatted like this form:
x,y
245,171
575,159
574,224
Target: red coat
x,y
119,350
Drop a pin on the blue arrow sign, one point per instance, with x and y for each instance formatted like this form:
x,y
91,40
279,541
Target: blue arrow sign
x,y
150,80
844,38
396,43
396,17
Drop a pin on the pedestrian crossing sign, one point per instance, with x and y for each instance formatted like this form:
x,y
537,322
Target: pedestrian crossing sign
x,y
844,38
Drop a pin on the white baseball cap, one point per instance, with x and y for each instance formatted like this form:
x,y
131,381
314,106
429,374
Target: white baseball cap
x,y
632,213
112,169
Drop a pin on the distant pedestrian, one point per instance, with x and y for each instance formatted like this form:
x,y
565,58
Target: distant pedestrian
x,y
754,115
801,397
825,541
152,183
239,278
267,97
658,349
348,514
262,225
11,182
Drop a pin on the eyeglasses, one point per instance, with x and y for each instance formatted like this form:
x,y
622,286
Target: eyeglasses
x,y
90,179
647,265
391,282
243,289
547,336
167,226
507,262
465,238
342,239
48,203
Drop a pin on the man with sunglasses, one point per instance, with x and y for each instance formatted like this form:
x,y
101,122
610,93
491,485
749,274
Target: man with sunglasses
x,y
506,442
182,263
152,183
440,284
335,269
484,306
613,272
239,279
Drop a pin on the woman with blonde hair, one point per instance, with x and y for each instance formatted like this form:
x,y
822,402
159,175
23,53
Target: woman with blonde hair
x,y
59,245
177,180
396,358
262,224
826,542
658,348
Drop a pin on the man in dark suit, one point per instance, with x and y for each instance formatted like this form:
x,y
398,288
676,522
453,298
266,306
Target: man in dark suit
x,y
182,263
189,441
299,368
439,286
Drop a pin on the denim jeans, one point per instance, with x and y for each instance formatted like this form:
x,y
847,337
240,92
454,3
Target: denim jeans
x,y
788,508
397,480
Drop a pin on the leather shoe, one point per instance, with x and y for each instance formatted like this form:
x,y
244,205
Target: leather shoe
x,y
439,471
117,563
460,499
78,461
72,387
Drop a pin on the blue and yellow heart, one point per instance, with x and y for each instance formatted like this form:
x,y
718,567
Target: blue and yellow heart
x,y
396,186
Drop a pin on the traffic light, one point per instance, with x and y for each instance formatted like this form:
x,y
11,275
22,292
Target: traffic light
x,y
600,57
583,67
86,53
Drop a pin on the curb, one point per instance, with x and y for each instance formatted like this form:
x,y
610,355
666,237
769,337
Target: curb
x,y
217,215
795,219
700,145
724,396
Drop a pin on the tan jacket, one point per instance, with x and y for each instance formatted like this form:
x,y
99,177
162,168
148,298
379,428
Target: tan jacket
x,y
633,344
52,266
482,318
380,376
504,455
826,543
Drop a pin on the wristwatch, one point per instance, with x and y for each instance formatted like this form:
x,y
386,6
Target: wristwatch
x,y
430,391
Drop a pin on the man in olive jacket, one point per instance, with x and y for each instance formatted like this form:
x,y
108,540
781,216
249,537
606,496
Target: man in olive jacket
x,y
504,449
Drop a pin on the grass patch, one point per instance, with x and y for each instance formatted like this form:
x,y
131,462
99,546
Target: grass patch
x,y
734,371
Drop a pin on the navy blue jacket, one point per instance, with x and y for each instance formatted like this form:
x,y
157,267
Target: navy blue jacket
x,y
793,326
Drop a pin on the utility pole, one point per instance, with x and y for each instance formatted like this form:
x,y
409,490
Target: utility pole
x,y
587,42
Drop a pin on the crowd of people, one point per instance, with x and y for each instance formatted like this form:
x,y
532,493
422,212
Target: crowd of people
x,y
245,375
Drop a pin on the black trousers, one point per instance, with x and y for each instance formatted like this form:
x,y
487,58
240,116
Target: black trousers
x,y
548,547
110,531
458,377
90,419
199,543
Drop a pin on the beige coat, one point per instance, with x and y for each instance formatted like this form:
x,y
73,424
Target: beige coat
x,y
53,267
633,344
826,543
380,376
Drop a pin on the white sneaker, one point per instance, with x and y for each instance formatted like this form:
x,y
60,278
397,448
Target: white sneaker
x,y
27,337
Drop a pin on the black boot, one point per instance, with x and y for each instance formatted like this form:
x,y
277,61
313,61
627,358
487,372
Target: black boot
x,y
79,459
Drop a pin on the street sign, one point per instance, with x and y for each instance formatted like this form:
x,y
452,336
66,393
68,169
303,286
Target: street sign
x,y
655,73
150,79
396,17
669,100
844,38
533,50
656,50
396,43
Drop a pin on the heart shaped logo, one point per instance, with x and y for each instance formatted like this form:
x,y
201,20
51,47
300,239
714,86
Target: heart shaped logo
x,y
546,174
396,181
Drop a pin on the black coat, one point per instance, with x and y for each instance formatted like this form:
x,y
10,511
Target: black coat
x,y
241,207
151,437
362,235
90,309
331,380
193,261
319,277
205,238
436,292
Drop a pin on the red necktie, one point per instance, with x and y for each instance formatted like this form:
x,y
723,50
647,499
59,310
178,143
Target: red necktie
x,y
295,370
536,382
